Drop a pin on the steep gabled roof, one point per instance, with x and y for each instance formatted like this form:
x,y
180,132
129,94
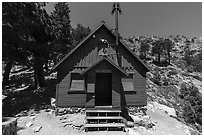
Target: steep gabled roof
x,y
73,50
102,60
146,67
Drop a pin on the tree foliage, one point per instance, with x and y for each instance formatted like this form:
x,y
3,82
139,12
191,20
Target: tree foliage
x,y
193,59
33,37
28,25
168,45
192,111
158,48
61,30
144,48
79,33
162,46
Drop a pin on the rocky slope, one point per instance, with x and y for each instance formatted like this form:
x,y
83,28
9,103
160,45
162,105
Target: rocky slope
x,y
173,87
170,89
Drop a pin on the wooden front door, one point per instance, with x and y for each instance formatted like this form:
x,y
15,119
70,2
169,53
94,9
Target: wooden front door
x,y
103,90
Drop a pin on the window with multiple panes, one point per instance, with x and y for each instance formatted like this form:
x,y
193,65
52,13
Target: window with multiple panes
x,y
128,84
77,84
90,87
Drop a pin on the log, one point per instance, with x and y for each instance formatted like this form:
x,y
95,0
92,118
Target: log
x,y
9,126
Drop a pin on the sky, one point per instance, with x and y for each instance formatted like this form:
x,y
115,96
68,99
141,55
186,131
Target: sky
x,y
141,18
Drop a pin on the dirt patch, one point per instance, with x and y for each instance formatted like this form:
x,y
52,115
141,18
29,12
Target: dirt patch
x,y
49,124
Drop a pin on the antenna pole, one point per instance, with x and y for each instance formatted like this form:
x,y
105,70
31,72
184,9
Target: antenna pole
x,y
116,10
116,25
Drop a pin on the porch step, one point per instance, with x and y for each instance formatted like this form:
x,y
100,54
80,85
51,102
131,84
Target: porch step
x,y
104,119
102,110
98,117
107,127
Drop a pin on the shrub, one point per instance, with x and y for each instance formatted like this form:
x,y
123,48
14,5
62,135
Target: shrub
x,y
184,90
189,113
172,72
192,110
156,79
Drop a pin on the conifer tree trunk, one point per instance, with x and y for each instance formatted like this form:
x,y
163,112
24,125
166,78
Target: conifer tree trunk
x,y
159,58
145,54
7,73
46,65
169,57
39,73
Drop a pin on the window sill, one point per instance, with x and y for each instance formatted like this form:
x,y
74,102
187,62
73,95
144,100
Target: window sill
x,y
90,92
76,92
130,92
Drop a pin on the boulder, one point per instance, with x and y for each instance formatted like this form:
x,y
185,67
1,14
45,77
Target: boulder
x,y
146,118
141,128
129,124
51,112
82,110
9,126
29,124
37,129
136,119
78,123
70,120
52,102
150,125
66,124
150,75
132,132
64,121
32,117
63,117
61,110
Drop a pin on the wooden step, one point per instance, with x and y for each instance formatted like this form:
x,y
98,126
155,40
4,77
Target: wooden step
x,y
104,107
102,110
104,117
105,125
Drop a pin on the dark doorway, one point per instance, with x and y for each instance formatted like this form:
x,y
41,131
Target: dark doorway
x,y
103,91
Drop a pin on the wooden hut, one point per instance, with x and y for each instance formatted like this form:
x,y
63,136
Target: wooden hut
x,y
97,72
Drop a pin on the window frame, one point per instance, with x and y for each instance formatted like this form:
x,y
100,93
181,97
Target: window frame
x,y
71,91
130,77
88,91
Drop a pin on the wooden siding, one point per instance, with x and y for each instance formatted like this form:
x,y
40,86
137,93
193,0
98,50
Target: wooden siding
x,y
116,75
90,97
72,100
56,96
87,55
140,97
116,86
63,98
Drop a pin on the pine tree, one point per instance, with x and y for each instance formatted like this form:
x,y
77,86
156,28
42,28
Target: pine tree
x,y
79,33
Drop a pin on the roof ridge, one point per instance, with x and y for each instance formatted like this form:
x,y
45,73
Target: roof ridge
x,y
80,43
99,61
101,24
